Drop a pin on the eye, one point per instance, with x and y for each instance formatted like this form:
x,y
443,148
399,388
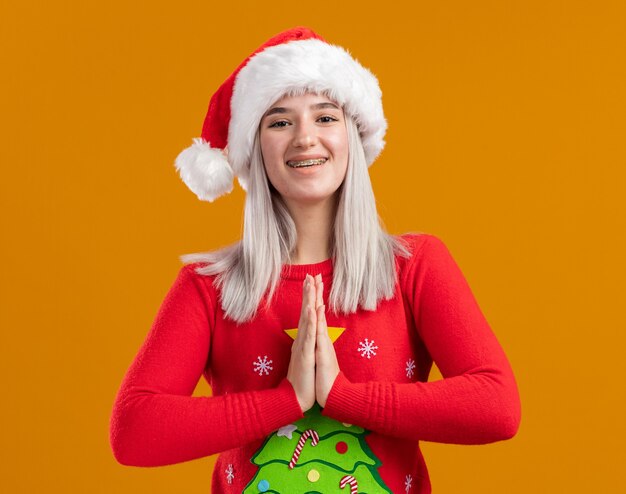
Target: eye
x,y
328,119
278,123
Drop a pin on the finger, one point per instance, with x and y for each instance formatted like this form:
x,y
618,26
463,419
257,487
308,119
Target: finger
x,y
312,294
321,327
310,332
319,291
312,307
304,317
305,301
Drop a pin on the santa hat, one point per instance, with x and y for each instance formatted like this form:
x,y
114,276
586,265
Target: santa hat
x,y
294,60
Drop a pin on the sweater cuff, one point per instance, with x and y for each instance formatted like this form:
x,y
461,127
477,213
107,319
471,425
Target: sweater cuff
x,y
370,405
282,409
342,399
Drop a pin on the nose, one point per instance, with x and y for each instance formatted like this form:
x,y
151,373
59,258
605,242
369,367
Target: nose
x,y
304,136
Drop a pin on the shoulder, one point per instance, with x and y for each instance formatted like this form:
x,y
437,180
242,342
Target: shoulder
x,y
425,249
194,269
209,265
194,276
419,244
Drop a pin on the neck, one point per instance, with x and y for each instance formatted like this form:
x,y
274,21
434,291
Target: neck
x,y
314,228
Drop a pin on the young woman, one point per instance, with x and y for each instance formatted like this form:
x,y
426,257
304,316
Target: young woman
x,y
316,331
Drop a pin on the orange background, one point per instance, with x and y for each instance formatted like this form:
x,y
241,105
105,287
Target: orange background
x,y
506,139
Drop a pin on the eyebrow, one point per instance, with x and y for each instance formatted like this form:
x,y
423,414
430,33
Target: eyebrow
x,y
317,106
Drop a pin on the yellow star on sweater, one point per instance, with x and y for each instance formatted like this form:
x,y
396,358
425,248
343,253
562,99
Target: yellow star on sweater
x,y
334,333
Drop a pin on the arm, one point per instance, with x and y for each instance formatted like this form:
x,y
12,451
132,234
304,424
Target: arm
x,y
156,421
476,402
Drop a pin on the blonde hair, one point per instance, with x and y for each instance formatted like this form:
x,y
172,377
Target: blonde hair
x,y
364,270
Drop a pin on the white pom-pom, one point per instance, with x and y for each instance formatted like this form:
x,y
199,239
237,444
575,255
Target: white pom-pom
x,y
205,170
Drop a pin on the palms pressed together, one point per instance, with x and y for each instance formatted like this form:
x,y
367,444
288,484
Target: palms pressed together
x,y
313,367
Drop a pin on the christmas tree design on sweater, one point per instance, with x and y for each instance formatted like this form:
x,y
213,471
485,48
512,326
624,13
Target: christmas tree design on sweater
x,y
316,455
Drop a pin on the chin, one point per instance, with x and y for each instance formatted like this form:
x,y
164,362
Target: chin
x,y
309,198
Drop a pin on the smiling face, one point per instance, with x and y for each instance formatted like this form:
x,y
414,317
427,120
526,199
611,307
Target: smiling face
x,y
304,143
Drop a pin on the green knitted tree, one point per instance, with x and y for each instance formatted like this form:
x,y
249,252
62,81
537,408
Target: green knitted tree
x,y
316,455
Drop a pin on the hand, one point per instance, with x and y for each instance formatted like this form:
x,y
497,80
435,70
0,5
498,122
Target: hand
x,y
301,372
326,365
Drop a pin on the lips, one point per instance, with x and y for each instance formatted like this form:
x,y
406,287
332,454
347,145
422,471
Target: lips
x,y
306,163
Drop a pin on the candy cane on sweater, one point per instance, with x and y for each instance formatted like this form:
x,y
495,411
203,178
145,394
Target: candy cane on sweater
x,y
315,438
349,479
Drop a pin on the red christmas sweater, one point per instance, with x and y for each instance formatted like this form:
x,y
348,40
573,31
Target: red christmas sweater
x,y
379,407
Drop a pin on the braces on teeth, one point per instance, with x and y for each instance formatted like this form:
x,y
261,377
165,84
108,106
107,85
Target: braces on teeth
x,y
302,164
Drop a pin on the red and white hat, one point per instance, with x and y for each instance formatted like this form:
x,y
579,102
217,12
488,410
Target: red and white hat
x,y
295,59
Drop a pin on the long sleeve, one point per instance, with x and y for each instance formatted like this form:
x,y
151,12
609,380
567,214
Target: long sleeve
x,y
155,420
476,402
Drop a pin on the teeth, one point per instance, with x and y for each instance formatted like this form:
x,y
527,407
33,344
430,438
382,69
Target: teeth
x,y
304,163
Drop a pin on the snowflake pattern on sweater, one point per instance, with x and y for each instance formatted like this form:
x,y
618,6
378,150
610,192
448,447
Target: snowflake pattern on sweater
x,y
230,473
410,368
408,483
263,366
367,348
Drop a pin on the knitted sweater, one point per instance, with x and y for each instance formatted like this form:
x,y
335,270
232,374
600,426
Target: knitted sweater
x,y
378,409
